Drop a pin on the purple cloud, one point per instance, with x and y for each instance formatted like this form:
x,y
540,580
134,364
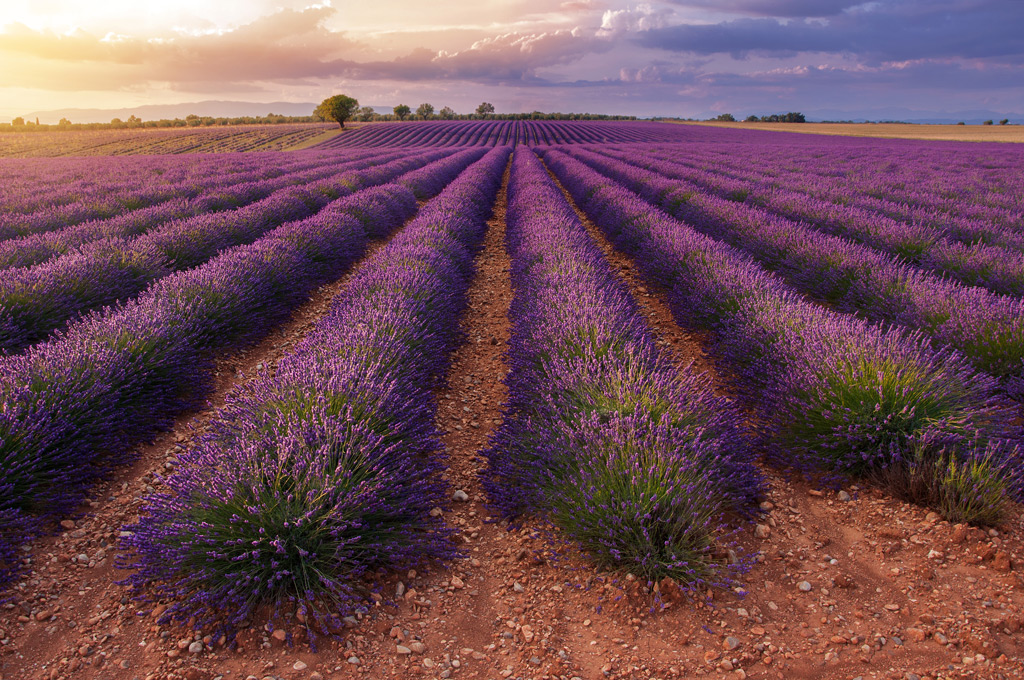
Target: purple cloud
x,y
773,8
877,32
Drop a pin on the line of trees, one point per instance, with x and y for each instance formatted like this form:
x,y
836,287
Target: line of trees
x,y
341,108
791,117
19,124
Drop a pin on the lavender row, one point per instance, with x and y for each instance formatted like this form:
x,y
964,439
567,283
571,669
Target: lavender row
x,y
805,196
314,478
836,394
94,196
36,185
195,200
70,408
987,328
38,300
996,268
492,133
975,181
920,180
430,180
634,460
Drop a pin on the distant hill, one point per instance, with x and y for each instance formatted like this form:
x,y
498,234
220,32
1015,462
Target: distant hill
x,y
225,109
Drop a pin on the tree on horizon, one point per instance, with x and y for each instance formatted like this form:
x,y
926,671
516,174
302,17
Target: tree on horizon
x,y
338,108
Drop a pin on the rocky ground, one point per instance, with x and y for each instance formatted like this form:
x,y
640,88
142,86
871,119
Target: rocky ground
x,y
844,585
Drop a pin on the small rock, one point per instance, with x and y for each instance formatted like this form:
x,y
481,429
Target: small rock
x,y
804,586
417,647
458,583
280,635
67,524
731,643
354,660
762,531
1001,562
300,666
892,607
402,649
460,496
195,648
916,634
518,587
43,615
845,497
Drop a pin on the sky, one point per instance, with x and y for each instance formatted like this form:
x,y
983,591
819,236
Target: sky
x,y
685,58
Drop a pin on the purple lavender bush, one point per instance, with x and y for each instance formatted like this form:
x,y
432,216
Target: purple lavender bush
x,y
37,300
836,394
985,327
312,479
636,461
71,407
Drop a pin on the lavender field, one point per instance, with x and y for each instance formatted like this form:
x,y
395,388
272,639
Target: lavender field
x,y
862,302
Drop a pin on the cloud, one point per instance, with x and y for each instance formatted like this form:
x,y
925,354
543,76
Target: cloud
x,y
773,8
888,30
641,18
294,46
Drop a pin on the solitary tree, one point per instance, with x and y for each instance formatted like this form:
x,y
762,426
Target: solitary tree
x,y
425,111
64,122
401,111
751,118
987,122
484,109
447,113
18,121
726,117
1004,121
366,114
338,108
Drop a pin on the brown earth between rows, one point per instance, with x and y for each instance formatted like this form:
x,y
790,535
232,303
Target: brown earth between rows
x,y
894,592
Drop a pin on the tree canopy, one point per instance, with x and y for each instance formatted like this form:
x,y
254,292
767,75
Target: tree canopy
x,y
338,108
401,111
425,111
484,109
